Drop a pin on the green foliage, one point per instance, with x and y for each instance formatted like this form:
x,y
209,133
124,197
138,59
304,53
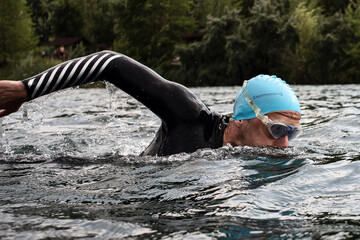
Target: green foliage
x,y
16,29
234,48
79,51
321,49
29,66
298,40
330,7
262,34
42,11
67,20
92,19
352,60
307,25
98,16
205,63
302,41
200,10
149,29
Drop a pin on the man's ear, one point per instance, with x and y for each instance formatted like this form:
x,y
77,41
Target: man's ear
x,y
238,123
234,133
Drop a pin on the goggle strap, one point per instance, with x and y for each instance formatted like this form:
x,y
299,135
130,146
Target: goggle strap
x,y
251,103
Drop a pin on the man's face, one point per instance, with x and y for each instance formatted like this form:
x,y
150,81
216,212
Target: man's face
x,y
255,132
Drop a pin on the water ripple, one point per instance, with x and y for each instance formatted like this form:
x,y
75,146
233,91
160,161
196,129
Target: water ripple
x,y
70,168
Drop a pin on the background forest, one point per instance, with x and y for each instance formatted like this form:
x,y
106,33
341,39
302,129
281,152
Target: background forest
x,y
195,42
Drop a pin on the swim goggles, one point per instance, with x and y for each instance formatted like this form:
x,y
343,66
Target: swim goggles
x,y
276,129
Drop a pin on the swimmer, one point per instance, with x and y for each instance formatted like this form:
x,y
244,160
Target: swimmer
x,y
266,110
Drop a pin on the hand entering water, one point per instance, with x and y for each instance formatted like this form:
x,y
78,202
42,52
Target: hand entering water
x,y
12,95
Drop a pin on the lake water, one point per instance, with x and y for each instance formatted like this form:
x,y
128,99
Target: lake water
x,y
69,169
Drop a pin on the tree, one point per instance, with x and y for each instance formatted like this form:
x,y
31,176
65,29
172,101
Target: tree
x,y
207,62
235,48
42,11
200,10
352,49
99,18
67,20
330,7
148,30
321,49
16,29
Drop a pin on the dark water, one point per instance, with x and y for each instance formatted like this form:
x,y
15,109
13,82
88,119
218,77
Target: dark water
x,y
69,169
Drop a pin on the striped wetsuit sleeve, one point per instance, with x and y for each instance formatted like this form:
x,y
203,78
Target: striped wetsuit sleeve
x,y
170,101
74,72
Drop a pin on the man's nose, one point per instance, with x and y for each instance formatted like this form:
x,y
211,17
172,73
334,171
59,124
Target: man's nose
x,y
282,142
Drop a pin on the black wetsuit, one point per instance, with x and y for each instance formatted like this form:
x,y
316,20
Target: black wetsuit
x,y
187,124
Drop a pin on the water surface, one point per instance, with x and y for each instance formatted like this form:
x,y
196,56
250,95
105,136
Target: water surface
x,y
69,168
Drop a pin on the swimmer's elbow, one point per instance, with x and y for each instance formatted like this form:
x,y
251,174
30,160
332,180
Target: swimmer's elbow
x,y
111,52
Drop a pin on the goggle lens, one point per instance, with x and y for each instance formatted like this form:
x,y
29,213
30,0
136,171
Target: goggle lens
x,y
294,134
279,130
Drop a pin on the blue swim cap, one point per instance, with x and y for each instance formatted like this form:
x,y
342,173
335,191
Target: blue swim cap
x,y
269,93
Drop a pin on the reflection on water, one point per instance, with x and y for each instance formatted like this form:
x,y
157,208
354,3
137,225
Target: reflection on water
x,y
69,168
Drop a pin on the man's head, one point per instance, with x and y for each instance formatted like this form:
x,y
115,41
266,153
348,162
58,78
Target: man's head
x,y
266,113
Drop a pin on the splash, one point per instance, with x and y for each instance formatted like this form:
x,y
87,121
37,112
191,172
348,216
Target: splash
x,y
224,153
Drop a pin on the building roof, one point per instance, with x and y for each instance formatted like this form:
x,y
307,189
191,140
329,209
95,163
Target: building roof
x,y
67,41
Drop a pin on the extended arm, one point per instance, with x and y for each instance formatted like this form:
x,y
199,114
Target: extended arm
x,y
168,100
74,72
